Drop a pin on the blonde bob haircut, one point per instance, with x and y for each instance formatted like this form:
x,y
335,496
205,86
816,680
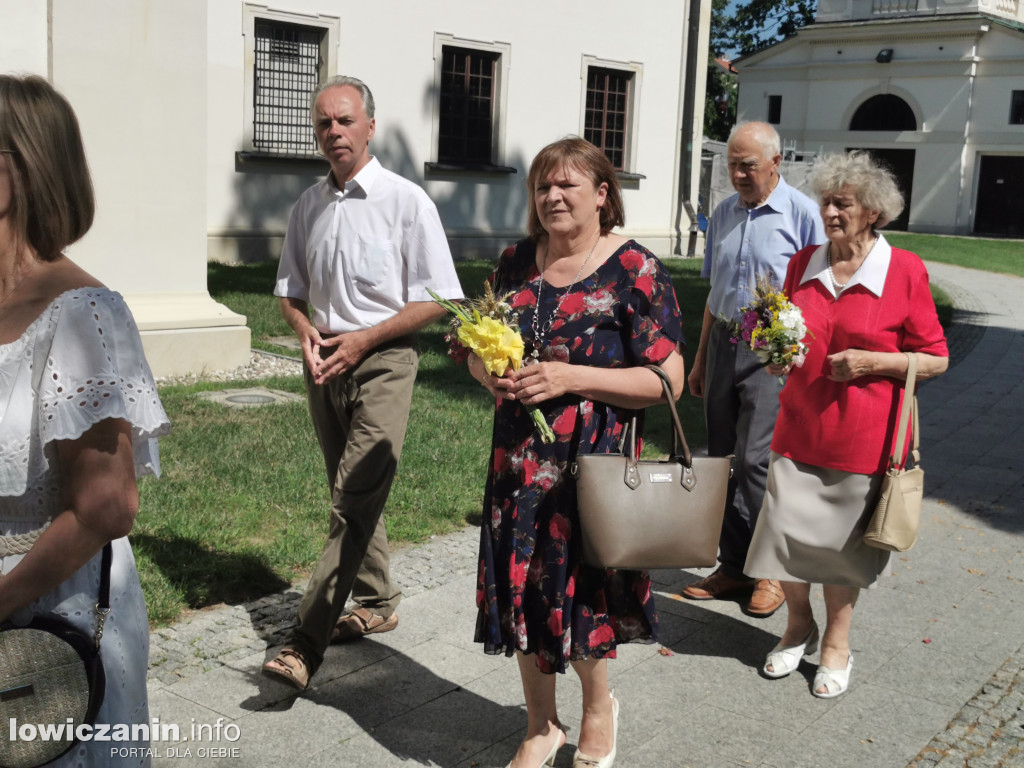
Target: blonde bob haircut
x,y
52,201
583,157
871,183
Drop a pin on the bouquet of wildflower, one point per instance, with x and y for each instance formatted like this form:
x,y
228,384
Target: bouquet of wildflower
x,y
487,327
772,326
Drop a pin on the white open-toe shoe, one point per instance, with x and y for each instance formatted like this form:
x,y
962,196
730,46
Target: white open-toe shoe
x,y
834,681
550,759
581,760
784,659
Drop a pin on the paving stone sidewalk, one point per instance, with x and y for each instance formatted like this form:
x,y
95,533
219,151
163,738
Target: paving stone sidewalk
x,y
219,636
989,731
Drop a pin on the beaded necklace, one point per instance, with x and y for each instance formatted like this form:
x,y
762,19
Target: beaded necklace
x,y
831,276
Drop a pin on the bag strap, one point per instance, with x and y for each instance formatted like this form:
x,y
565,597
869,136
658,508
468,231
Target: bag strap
x,y
678,438
103,604
909,407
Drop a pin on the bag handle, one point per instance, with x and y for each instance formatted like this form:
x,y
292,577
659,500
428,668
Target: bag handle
x,y
678,438
909,407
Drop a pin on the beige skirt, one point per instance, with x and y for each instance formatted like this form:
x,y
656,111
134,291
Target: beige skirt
x,y
811,524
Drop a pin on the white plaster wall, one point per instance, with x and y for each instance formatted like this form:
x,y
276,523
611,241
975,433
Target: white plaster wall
x,y
135,73
396,60
23,46
936,188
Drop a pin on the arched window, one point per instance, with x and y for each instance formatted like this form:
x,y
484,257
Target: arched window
x,y
884,112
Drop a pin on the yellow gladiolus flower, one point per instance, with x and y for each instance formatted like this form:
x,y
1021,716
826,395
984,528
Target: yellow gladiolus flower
x,y
498,345
491,334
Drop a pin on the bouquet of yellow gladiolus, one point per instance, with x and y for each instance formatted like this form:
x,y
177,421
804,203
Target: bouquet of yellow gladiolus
x,y
486,327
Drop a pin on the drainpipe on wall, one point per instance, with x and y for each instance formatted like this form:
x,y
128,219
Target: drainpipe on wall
x,y
965,151
692,93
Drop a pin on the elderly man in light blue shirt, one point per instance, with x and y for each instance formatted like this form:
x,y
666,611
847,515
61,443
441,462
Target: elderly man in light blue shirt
x,y
751,234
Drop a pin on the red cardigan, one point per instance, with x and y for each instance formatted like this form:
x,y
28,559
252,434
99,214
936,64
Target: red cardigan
x,y
850,426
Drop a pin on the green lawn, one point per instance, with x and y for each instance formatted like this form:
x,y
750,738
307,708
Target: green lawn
x,y
241,509
1005,256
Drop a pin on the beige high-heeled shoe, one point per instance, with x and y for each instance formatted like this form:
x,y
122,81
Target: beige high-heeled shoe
x,y
581,760
550,759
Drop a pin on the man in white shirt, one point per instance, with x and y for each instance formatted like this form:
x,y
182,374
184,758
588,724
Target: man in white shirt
x,y
362,247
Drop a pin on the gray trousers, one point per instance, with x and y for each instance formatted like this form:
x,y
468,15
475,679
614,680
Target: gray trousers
x,y
741,403
360,420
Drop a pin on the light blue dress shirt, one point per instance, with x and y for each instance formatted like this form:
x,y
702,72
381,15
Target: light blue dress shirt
x,y
744,243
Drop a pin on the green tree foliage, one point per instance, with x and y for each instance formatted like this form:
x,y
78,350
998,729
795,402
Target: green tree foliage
x,y
759,23
719,102
750,26
720,94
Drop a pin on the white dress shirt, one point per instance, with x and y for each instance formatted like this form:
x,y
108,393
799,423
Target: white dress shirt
x,y
358,255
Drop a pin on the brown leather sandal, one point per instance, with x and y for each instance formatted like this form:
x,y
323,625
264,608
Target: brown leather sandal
x,y
361,622
288,667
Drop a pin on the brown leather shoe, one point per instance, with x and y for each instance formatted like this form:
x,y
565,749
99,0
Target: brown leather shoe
x,y
717,586
768,597
361,622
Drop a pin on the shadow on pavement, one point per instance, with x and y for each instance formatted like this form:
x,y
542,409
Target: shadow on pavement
x,y
411,712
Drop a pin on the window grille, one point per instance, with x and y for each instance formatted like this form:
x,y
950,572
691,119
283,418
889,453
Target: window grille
x,y
288,68
1017,108
607,112
465,125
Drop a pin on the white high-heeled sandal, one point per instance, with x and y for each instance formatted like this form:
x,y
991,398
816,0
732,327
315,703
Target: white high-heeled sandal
x,y
834,681
560,739
581,760
784,659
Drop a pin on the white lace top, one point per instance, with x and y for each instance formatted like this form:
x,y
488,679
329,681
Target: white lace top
x,y
79,362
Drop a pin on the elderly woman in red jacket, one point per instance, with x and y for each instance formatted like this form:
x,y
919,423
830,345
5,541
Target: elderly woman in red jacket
x,y
865,304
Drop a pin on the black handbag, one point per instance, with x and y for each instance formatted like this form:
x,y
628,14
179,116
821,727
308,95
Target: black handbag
x,y
651,514
50,672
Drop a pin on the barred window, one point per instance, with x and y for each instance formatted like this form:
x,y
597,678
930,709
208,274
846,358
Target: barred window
x,y
606,116
467,100
289,65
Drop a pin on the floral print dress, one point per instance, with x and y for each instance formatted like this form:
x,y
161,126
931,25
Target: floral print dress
x,y
534,594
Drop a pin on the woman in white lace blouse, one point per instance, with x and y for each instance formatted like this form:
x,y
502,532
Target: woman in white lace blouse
x,y
79,412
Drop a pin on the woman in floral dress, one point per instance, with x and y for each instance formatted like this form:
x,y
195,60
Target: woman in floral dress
x,y
594,308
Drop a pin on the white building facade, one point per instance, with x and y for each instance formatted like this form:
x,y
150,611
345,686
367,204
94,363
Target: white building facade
x,y
935,88
195,119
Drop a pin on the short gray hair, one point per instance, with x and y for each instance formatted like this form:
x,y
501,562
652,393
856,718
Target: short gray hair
x,y
763,134
872,184
336,82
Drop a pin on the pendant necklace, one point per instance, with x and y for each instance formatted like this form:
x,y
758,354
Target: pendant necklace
x,y
539,330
